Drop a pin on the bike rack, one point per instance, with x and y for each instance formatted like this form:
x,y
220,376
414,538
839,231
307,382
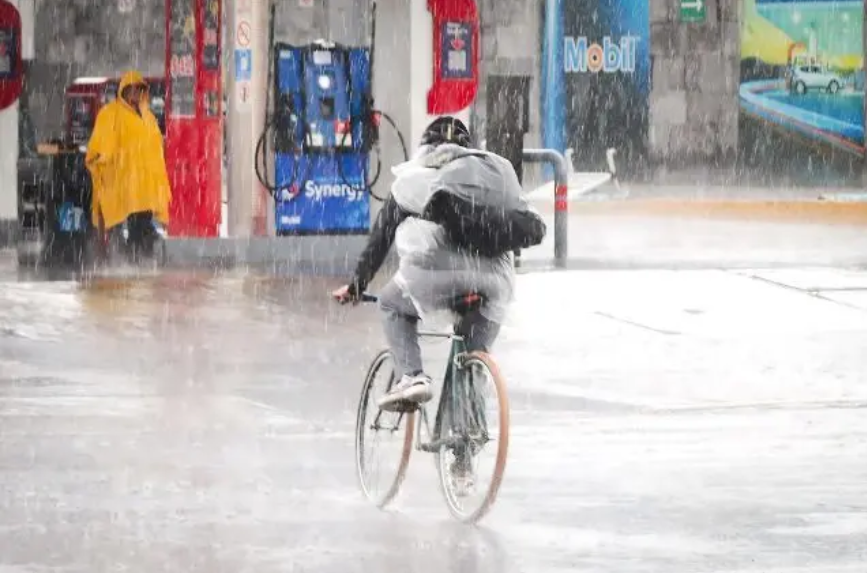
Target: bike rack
x,y
561,198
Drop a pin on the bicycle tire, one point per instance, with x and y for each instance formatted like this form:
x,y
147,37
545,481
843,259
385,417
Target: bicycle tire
x,y
360,424
502,447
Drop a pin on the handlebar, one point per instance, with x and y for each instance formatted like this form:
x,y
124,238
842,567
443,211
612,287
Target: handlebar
x,y
365,297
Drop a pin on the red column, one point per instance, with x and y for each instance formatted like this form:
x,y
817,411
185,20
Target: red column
x,y
194,116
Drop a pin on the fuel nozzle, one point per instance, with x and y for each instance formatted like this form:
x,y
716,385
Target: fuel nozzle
x,y
370,127
285,124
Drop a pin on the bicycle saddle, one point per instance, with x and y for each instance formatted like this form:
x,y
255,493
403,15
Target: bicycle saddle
x,y
468,302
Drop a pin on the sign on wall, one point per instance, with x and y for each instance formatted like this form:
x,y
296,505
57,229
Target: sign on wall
x,y
606,62
8,52
693,10
456,56
802,88
11,66
243,56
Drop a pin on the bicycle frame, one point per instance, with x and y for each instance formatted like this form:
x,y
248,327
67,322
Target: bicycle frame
x,y
457,390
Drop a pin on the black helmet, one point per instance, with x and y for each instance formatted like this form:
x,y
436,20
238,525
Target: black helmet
x,y
446,129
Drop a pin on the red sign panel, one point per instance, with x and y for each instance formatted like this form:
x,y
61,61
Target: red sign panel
x,y
456,55
11,66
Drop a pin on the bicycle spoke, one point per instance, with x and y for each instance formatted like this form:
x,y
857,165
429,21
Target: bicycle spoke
x,y
381,481
470,485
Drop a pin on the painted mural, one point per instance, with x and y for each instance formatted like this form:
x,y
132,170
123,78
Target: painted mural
x,y
802,87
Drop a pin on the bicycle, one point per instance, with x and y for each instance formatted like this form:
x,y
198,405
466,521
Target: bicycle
x,y
460,428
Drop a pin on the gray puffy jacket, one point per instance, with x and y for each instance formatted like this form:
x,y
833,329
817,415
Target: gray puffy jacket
x,y
430,267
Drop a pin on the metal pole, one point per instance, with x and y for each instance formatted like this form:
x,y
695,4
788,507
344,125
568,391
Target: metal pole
x,y
561,199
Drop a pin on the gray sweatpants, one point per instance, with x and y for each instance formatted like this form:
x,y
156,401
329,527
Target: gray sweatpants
x,y
401,327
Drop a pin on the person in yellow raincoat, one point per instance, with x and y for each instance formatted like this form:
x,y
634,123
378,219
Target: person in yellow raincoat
x,y
127,166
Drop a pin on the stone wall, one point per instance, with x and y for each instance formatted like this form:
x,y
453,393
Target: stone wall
x,y
695,78
85,38
510,45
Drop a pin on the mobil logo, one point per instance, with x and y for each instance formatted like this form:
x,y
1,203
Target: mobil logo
x,y
319,191
612,55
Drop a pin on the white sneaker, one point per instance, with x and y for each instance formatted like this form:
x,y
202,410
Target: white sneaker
x,y
407,394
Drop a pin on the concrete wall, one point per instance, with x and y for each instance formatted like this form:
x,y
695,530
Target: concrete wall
x,y
510,33
694,102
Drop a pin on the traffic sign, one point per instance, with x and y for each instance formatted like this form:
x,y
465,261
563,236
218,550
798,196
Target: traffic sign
x,y
693,11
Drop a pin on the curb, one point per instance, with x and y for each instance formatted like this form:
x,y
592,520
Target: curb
x,y
810,211
324,254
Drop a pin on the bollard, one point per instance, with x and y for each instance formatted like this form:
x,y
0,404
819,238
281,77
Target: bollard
x,y
561,199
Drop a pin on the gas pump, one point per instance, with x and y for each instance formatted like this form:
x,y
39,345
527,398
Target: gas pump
x,y
323,130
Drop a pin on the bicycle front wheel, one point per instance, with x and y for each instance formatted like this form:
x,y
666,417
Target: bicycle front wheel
x,y
383,440
476,425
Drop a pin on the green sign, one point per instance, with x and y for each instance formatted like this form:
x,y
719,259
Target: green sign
x,y
693,10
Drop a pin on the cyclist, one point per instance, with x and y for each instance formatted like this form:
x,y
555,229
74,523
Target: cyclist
x,y
454,214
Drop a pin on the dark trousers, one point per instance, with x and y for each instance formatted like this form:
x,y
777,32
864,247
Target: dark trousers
x,y
141,234
401,328
140,240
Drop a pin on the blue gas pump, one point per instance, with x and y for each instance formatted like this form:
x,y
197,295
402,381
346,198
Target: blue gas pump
x,y
322,139
323,129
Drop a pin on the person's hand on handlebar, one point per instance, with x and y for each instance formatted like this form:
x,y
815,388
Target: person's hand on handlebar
x,y
345,294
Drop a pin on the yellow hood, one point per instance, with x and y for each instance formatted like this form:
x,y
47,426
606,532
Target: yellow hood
x,y
132,78
129,79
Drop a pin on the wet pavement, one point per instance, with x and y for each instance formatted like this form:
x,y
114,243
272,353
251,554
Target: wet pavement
x,y
605,234
699,420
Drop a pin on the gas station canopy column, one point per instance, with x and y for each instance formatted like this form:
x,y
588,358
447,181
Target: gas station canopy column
x,y
249,205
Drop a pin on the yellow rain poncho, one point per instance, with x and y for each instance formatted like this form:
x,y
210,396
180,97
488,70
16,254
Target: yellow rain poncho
x,y
126,162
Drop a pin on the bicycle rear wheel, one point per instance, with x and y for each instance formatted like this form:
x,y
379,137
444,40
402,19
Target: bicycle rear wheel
x,y
473,431
381,487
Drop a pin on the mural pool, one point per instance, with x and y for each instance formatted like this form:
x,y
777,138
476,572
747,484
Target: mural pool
x,y
837,119
845,108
